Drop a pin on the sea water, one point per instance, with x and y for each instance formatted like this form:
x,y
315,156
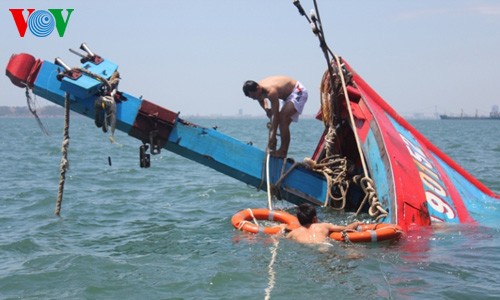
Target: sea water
x,y
165,232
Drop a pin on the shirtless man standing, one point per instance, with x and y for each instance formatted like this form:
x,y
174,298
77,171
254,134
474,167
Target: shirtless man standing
x,y
312,232
275,88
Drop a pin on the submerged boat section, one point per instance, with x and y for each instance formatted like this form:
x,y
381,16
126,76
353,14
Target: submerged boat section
x,y
380,165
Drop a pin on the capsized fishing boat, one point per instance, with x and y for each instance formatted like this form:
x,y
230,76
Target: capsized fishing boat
x,y
369,161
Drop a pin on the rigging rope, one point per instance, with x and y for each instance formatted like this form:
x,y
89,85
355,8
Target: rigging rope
x,y
106,102
64,159
331,117
375,209
334,168
31,106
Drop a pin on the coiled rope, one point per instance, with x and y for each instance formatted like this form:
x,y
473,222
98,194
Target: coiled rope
x,y
106,102
334,168
375,209
336,173
64,160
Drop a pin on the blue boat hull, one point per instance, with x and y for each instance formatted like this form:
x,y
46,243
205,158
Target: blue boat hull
x,y
416,183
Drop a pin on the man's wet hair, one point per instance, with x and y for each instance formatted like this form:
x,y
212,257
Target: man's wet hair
x,y
249,86
306,213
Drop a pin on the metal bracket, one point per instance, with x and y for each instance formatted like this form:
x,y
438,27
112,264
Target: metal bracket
x,y
144,159
154,141
91,56
68,72
152,126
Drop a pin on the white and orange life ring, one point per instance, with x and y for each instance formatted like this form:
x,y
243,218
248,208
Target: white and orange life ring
x,y
242,220
369,233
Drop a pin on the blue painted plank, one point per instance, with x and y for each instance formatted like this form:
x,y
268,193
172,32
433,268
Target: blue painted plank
x,y
204,145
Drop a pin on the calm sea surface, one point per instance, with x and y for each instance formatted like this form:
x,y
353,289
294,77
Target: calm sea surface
x,y
165,232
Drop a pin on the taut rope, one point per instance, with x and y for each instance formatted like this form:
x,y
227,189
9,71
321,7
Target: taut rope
x,y
269,193
331,117
268,177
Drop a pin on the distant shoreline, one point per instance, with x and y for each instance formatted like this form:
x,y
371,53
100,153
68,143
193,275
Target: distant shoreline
x,y
58,111
54,111
23,111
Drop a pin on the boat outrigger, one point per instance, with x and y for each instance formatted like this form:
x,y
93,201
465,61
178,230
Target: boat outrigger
x,y
369,160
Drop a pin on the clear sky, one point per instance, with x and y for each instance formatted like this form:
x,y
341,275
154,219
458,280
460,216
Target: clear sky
x,y
193,56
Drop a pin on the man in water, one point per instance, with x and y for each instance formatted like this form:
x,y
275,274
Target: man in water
x,y
312,232
273,89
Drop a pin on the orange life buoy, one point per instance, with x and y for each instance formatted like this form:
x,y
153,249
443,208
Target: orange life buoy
x,y
369,233
242,220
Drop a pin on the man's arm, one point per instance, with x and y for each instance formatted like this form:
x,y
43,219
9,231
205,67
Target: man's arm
x,y
354,225
335,228
275,111
263,104
339,228
275,119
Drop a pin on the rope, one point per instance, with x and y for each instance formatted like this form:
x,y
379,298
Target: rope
x,y
268,177
368,186
265,162
270,270
334,168
351,116
106,102
375,210
253,217
345,236
242,223
330,114
64,159
110,119
283,174
107,105
31,107
269,193
110,84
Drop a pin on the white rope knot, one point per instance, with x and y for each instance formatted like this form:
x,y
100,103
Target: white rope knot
x,y
375,210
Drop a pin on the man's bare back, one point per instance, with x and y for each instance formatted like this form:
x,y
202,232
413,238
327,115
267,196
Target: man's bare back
x,y
312,232
272,89
317,232
278,87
